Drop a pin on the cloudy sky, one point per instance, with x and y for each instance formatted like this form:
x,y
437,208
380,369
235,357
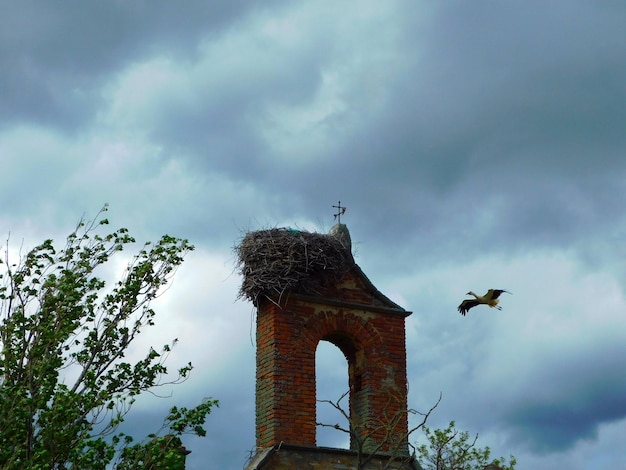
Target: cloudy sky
x,y
475,144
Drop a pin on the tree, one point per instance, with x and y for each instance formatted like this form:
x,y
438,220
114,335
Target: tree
x,y
361,438
450,449
447,449
65,385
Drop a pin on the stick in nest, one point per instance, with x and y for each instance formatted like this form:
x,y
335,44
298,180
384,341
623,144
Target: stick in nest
x,y
281,260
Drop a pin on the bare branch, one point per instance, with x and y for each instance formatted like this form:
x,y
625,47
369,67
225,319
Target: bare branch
x,y
388,424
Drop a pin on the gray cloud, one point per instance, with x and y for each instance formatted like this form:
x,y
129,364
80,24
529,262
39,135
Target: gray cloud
x,y
54,55
475,146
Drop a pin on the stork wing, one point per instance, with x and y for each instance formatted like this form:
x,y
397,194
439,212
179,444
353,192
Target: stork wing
x,y
466,305
495,293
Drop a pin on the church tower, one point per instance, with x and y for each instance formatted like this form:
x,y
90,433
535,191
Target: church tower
x,y
307,288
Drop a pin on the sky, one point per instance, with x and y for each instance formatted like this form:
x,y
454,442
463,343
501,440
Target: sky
x,y
475,145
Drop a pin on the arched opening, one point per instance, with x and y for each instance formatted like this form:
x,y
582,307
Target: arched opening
x,y
331,377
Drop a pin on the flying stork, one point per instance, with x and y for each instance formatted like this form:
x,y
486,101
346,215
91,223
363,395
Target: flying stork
x,y
490,298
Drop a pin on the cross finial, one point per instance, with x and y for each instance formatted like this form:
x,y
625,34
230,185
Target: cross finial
x,y
340,211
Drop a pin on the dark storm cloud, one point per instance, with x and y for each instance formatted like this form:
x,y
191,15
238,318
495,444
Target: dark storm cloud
x,y
54,56
489,105
499,105
514,73
571,395
221,135
558,425
491,86
562,397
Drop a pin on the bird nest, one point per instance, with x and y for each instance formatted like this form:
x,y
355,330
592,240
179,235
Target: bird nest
x,y
282,260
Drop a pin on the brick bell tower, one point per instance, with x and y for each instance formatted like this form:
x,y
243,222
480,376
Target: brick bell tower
x,y
307,288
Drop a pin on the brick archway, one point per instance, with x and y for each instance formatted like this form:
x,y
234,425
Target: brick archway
x,y
362,347
371,339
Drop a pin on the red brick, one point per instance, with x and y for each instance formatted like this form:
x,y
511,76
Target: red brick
x,y
365,326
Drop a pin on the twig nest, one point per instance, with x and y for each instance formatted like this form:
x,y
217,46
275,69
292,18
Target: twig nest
x,y
273,262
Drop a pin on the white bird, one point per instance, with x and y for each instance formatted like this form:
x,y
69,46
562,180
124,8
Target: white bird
x,y
490,298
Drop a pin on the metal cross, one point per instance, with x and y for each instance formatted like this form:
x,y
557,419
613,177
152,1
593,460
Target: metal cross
x,y
340,211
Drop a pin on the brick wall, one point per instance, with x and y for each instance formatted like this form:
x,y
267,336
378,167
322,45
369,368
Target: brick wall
x,y
367,328
288,457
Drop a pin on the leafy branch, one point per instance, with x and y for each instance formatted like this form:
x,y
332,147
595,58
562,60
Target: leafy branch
x,y
64,381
